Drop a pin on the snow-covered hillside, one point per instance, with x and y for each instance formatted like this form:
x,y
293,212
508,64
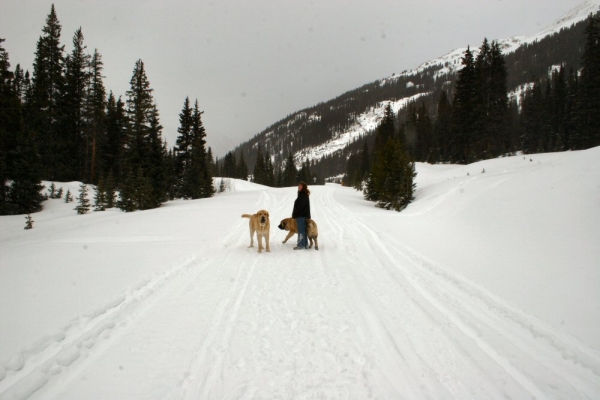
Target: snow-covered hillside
x,y
441,67
486,287
451,61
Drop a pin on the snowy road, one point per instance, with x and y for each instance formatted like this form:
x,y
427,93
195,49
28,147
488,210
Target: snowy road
x,y
364,317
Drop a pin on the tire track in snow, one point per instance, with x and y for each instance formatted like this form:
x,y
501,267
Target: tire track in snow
x,y
398,360
177,306
208,361
543,362
59,353
562,358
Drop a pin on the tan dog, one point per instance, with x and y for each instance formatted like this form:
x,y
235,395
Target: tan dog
x,y
260,224
312,231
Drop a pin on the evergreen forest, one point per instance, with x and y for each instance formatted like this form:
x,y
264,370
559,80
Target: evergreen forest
x,y
59,123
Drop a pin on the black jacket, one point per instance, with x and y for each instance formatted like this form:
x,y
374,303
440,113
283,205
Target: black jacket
x,y
301,206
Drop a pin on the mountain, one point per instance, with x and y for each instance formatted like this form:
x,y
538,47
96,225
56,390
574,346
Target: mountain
x,y
327,133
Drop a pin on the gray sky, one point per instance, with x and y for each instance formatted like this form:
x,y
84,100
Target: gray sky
x,y
251,63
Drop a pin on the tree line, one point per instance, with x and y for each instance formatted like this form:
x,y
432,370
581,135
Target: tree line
x,y
59,123
265,172
555,113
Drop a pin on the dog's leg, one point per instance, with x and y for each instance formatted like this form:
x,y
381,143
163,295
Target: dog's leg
x,y
310,240
316,244
267,236
289,235
259,240
251,237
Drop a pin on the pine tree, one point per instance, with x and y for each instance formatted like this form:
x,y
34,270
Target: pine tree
x,y
29,223
140,107
498,141
365,165
71,148
290,172
144,150
68,196
183,147
305,175
9,124
24,193
384,132
386,128
464,112
589,103
83,202
199,155
18,79
126,200
269,170
571,101
170,173
155,169
424,127
96,119
210,160
229,168
20,170
559,110
391,180
48,83
242,169
193,168
52,191
113,147
442,128
533,121
100,201
144,197
398,183
109,185
259,172
279,176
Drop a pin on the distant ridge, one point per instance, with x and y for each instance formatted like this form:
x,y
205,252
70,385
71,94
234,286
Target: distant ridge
x,y
330,130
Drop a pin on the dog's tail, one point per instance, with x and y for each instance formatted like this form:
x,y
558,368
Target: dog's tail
x,y
246,216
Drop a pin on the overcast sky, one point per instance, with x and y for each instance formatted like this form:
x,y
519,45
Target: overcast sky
x,y
251,63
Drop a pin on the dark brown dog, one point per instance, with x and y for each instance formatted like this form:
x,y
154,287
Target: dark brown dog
x,y
312,231
260,224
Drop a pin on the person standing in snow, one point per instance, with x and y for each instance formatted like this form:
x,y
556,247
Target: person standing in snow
x,y
301,214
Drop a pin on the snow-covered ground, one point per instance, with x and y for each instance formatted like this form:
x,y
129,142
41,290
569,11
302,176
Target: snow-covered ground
x,y
486,287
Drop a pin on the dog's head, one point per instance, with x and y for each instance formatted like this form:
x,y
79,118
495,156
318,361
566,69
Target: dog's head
x,y
263,217
283,225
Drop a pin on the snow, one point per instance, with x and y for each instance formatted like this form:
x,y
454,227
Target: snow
x,y
485,287
365,123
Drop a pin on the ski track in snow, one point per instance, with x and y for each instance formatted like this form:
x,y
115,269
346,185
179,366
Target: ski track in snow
x,y
525,348
247,326
56,354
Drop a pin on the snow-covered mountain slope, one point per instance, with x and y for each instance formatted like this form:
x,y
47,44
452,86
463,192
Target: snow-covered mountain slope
x,y
440,68
451,62
365,123
485,287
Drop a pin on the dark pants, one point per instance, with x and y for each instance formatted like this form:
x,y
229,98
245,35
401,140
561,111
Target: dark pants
x,y
302,238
